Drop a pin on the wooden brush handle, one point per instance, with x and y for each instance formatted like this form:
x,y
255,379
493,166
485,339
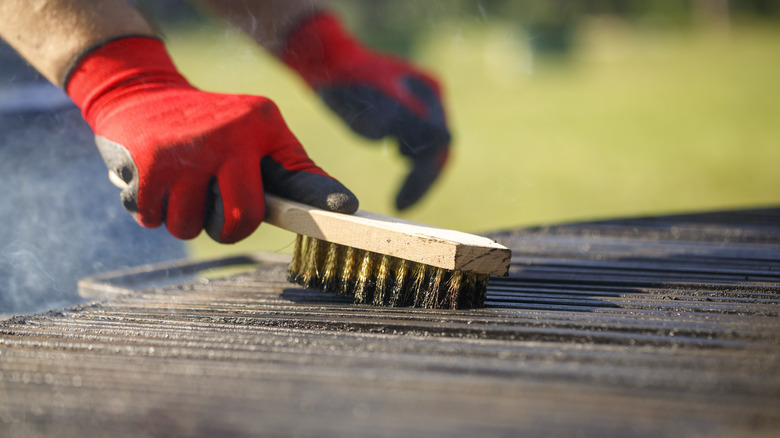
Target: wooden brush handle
x,y
416,242
374,232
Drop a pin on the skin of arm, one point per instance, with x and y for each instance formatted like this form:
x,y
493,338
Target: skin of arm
x,y
268,22
52,34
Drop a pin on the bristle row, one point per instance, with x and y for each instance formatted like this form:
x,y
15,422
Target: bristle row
x,y
382,280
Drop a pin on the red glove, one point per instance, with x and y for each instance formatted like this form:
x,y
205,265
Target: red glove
x,y
377,95
170,141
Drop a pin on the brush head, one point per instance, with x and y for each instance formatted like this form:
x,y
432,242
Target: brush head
x,y
381,279
420,243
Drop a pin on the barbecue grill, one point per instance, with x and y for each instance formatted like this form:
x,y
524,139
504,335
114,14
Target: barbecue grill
x,y
658,326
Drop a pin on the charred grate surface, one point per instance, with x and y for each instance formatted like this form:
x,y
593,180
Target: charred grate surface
x,y
649,327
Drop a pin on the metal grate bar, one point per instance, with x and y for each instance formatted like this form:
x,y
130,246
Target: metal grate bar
x,y
648,327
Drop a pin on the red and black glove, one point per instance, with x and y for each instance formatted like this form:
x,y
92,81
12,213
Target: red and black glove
x,y
170,143
377,95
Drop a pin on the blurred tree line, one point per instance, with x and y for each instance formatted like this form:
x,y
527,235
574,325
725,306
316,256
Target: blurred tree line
x,y
394,24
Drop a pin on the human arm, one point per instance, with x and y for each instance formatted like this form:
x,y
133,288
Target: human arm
x,y
267,22
168,141
378,95
52,34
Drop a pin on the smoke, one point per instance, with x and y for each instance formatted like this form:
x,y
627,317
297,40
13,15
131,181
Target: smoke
x,y
60,218
23,271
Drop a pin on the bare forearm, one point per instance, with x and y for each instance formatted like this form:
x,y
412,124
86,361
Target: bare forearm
x,y
268,22
51,34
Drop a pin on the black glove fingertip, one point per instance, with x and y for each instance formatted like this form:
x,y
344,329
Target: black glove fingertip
x,y
215,213
425,171
309,188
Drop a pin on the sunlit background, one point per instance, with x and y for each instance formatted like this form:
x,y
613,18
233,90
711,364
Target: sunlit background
x,y
561,110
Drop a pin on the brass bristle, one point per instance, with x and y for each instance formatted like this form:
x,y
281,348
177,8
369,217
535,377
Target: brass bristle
x,y
330,270
382,280
309,271
454,285
400,292
294,271
430,299
364,284
419,283
348,268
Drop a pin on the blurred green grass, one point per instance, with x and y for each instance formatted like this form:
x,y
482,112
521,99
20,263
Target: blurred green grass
x,y
637,121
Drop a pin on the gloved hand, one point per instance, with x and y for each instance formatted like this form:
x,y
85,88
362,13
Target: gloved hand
x,y
377,95
170,141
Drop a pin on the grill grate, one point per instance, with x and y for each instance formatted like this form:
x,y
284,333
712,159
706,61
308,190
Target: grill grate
x,y
646,327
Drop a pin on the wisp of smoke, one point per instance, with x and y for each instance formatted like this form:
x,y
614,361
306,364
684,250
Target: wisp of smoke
x,y
61,218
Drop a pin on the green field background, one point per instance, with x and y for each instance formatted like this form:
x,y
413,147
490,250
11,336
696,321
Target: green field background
x,y
634,121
